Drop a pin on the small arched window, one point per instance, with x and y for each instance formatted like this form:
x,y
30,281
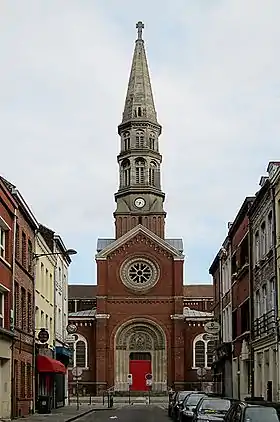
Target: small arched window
x,y
152,141
125,171
139,139
126,141
140,170
152,173
203,350
79,351
81,354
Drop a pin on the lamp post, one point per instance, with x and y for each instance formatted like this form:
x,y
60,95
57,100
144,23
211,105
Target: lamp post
x,y
66,253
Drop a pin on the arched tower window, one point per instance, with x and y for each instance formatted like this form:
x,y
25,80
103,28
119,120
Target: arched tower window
x,y
79,352
152,141
139,139
140,170
202,352
152,173
126,171
126,141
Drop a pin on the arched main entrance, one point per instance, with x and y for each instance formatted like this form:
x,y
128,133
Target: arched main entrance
x,y
140,348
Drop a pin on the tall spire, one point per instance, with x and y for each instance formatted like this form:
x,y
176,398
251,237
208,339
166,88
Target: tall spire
x,y
139,103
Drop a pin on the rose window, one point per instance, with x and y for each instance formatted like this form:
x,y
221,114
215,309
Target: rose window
x,y
139,273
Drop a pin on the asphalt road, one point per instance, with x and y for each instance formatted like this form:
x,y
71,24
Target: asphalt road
x,y
134,413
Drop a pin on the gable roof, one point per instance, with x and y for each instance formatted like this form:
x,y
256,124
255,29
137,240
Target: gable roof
x,y
133,232
82,291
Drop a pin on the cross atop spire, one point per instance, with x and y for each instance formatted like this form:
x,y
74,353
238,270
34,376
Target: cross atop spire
x,y
140,27
139,103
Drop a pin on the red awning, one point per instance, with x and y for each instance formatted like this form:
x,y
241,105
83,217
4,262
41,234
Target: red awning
x,y
46,364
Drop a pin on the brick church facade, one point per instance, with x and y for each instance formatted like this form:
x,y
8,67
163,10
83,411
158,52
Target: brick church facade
x,y
140,318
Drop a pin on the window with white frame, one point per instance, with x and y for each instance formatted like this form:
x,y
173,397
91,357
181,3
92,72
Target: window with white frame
x,y
227,324
270,231
203,350
79,352
263,239
2,301
272,294
257,304
2,242
257,247
264,299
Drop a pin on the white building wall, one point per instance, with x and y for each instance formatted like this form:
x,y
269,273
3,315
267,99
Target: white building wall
x,y
265,370
61,306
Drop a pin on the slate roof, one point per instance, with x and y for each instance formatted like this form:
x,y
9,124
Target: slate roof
x,y
193,313
85,314
81,291
175,243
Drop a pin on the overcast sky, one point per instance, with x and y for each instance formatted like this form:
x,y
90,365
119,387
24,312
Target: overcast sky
x,y
64,72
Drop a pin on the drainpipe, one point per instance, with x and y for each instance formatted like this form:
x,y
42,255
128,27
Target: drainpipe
x,y
251,310
12,312
272,189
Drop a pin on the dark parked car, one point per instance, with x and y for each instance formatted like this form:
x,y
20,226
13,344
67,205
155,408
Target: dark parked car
x,y
245,412
178,400
212,409
186,412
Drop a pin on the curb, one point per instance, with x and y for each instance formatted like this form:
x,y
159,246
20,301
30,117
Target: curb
x,y
87,412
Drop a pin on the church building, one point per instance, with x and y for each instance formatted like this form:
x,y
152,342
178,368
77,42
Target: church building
x,y
140,322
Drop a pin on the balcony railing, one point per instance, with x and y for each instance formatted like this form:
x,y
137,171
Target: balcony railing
x,y
266,324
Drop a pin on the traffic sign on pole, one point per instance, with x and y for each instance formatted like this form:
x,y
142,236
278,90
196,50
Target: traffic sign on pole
x,y
149,376
129,379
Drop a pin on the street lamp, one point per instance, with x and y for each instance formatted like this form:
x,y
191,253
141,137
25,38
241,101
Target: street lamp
x,y
68,252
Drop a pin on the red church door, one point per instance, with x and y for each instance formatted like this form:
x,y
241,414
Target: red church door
x,y
139,365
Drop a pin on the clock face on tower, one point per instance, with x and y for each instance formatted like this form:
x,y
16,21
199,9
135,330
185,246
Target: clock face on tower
x,y
139,202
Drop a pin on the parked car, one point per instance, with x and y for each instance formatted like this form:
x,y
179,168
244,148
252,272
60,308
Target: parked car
x,y
178,400
186,412
212,409
246,412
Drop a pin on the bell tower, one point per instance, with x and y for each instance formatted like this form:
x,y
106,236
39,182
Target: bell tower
x,y
139,197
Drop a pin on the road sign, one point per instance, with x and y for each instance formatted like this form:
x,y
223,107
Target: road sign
x,y
77,372
129,379
210,337
201,372
71,328
149,383
149,376
212,327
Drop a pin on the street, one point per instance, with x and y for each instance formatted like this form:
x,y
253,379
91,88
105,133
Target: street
x,y
138,413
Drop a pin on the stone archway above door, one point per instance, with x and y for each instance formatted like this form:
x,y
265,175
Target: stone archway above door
x,y
140,336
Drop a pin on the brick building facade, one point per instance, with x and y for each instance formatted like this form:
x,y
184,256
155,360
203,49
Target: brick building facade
x,y
142,320
23,307
8,210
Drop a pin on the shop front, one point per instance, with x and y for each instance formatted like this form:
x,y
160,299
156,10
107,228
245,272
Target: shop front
x,y
47,371
63,354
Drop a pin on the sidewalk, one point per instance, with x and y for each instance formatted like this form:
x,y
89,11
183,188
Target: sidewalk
x,y
64,414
